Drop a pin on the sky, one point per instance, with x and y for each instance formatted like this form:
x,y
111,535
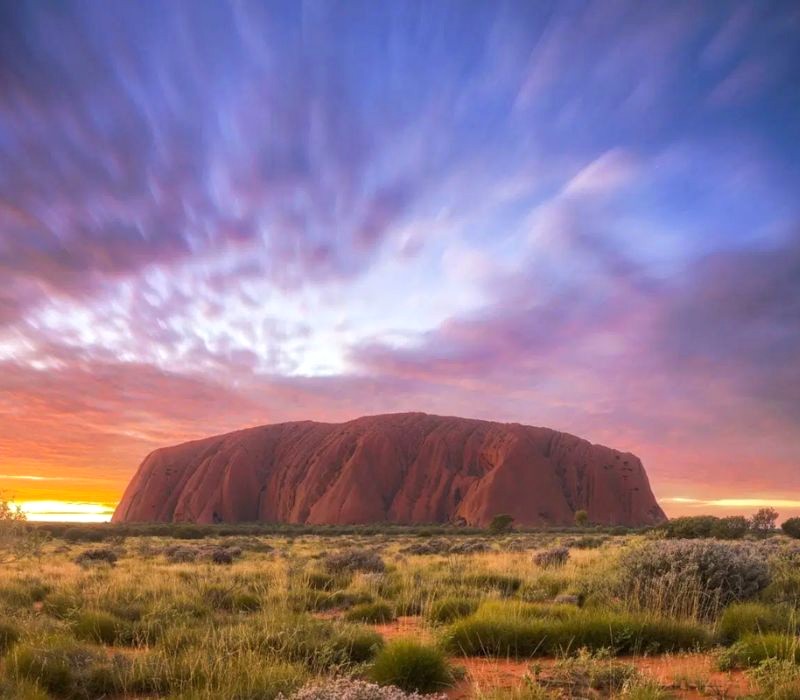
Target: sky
x,y
580,215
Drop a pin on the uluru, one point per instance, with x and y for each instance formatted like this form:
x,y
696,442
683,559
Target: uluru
x,y
395,468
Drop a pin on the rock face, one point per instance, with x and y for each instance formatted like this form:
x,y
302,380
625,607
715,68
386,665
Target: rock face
x,y
399,468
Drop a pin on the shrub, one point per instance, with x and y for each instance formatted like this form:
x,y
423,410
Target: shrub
x,y
351,560
97,555
753,649
551,558
374,613
411,667
84,534
179,554
501,524
791,527
586,672
693,578
751,618
443,546
581,518
188,532
9,636
448,609
221,556
689,527
351,689
731,528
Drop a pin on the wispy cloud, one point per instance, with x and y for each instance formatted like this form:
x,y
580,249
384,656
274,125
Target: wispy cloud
x,y
584,217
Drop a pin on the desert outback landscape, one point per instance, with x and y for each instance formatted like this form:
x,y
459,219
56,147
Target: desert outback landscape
x,y
399,349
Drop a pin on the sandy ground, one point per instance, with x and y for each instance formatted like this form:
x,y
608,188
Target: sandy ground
x,y
687,676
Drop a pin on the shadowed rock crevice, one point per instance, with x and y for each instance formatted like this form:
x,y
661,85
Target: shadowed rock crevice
x,y
399,468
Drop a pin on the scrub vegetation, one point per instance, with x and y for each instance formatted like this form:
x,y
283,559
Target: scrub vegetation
x,y
262,612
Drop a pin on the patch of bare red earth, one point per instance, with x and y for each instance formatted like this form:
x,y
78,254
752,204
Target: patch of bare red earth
x,y
685,676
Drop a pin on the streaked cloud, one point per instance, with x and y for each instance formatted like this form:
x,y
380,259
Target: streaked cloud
x,y
583,217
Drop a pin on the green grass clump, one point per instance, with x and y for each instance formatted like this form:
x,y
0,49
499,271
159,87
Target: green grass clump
x,y
502,583
753,649
68,670
21,690
517,636
62,604
9,636
23,593
228,599
412,667
447,610
373,613
324,581
318,644
101,628
318,601
751,618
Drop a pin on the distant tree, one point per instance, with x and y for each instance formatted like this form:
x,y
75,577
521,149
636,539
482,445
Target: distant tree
x,y
763,522
733,527
500,524
12,530
791,527
581,518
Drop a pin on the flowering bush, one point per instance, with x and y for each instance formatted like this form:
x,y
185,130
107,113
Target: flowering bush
x,y
350,689
693,577
551,558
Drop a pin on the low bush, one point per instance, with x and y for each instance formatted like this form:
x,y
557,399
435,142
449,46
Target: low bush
x,y
753,618
351,560
9,636
179,554
791,527
448,609
586,672
221,556
753,649
351,689
373,613
693,578
412,667
96,556
551,558
734,527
